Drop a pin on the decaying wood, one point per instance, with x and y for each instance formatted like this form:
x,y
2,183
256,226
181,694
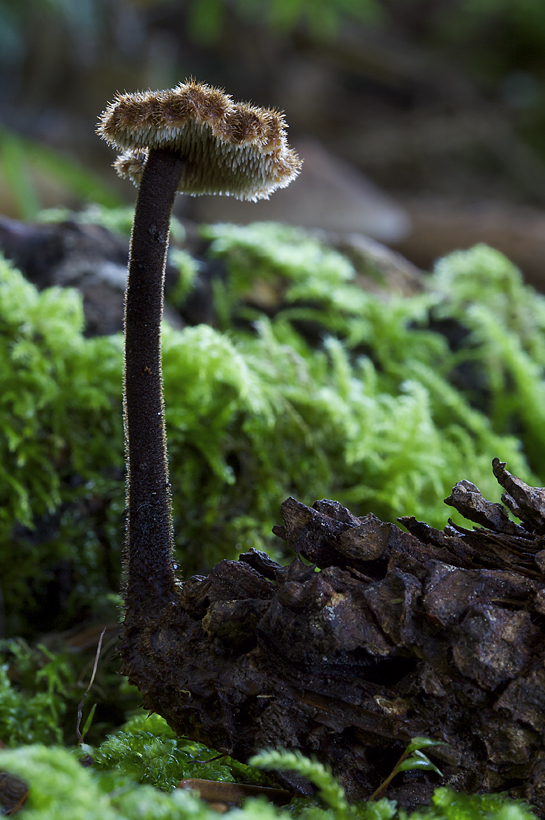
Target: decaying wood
x,y
399,634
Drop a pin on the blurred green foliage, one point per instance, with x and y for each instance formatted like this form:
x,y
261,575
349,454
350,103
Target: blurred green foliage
x,y
497,45
520,26
321,18
493,34
20,158
205,17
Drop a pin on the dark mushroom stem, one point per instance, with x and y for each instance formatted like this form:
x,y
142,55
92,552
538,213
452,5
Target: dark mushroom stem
x,y
195,139
149,569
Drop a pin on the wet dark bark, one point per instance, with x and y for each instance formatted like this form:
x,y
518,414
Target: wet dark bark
x,y
400,634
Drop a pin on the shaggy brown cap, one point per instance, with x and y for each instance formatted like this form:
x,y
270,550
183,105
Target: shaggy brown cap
x,y
229,148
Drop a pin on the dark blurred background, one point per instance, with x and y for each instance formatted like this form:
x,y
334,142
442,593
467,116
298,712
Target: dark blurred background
x,y
421,122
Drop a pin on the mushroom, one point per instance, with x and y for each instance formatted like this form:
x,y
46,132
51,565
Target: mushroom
x,y
196,140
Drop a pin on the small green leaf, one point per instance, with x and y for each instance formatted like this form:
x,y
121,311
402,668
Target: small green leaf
x,y
418,761
422,743
89,720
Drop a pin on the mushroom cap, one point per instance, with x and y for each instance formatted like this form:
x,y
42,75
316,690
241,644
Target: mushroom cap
x,y
235,149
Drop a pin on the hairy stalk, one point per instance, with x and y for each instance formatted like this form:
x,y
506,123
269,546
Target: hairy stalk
x,y
149,568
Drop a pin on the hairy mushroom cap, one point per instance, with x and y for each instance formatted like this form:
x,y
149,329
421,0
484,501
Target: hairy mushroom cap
x,y
228,148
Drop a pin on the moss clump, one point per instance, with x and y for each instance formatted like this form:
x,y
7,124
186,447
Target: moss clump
x,y
61,456
485,292
60,788
33,710
147,751
379,402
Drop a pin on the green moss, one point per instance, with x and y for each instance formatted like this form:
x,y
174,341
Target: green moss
x,y
118,220
361,390
331,802
188,269
40,690
335,393
59,788
147,751
36,687
506,320
60,451
315,279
